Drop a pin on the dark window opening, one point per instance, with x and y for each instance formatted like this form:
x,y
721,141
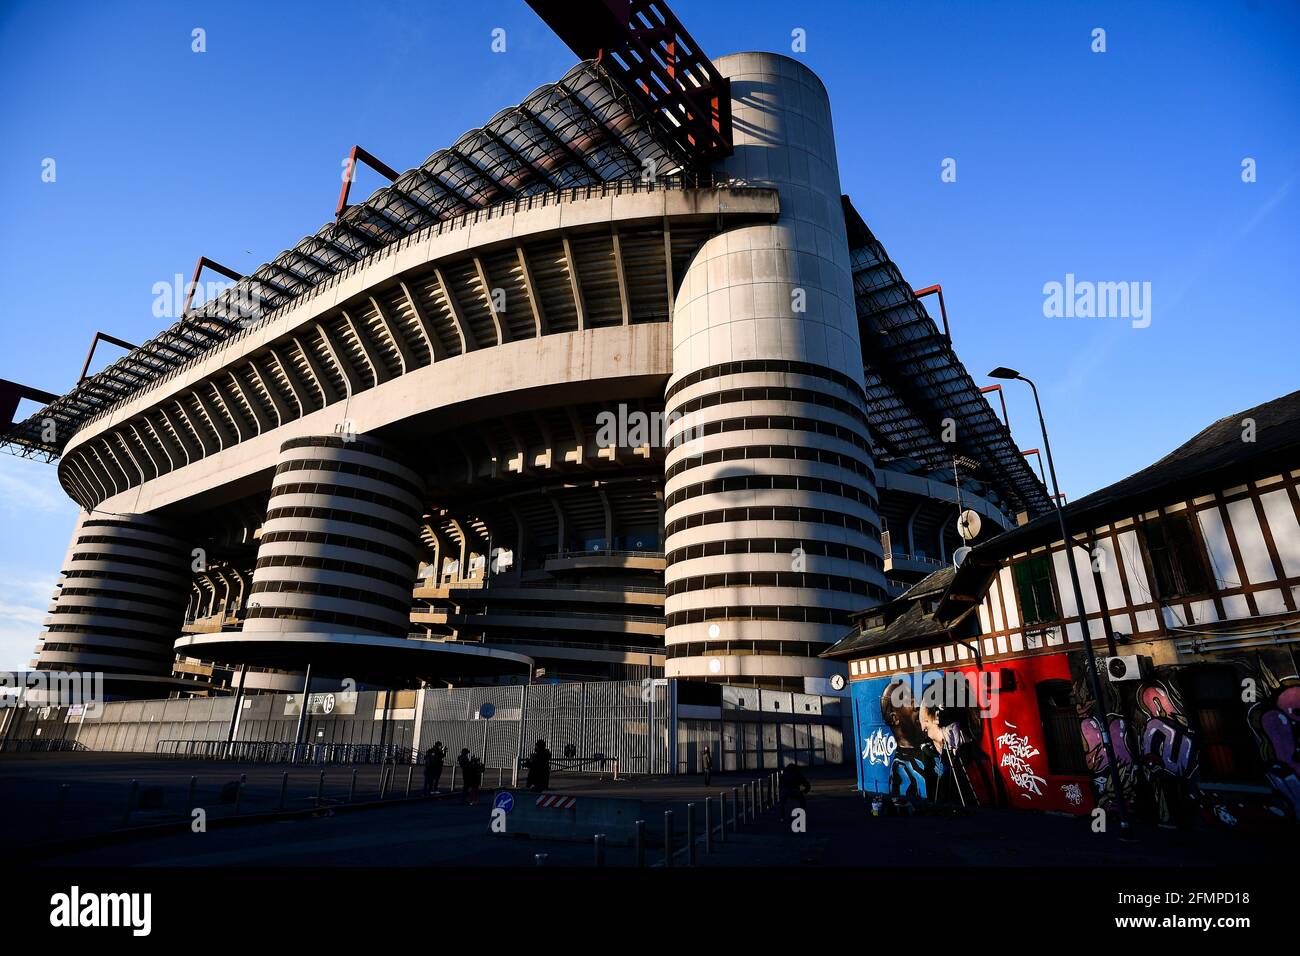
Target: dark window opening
x,y
1175,557
1034,590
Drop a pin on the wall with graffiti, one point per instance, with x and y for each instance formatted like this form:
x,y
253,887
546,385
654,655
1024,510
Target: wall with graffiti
x,y
1216,741
963,737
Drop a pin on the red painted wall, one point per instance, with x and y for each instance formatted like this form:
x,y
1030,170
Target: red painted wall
x,y
1013,736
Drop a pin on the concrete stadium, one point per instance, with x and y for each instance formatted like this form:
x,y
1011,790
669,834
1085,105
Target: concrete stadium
x,y
380,456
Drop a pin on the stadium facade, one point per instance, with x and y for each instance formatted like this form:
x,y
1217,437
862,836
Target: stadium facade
x,y
387,455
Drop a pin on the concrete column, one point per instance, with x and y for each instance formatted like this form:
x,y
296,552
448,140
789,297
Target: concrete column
x,y
768,386
340,549
125,587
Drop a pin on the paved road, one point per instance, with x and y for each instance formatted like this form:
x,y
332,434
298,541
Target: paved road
x,y
840,830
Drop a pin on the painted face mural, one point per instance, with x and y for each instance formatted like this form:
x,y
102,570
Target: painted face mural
x,y
919,739
912,771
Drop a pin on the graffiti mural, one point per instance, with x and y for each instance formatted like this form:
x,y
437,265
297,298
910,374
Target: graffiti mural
x,y
1186,738
916,742
1158,732
1017,751
1095,754
1275,721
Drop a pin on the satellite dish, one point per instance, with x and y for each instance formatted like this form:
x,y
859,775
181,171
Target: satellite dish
x,y
960,555
968,525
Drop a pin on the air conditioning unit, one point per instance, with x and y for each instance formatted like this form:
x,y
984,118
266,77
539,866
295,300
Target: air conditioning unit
x,y
1125,667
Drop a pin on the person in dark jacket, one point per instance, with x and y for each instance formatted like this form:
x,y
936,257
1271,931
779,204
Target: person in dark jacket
x,y
539,767
473,780
463,762
794,786
434,758
706,764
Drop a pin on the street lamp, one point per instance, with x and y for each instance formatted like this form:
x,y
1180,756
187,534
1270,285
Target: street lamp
x,y
1094,678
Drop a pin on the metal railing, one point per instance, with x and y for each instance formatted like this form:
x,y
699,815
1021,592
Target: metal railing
x,y
42,746
275,751
604,553
918,558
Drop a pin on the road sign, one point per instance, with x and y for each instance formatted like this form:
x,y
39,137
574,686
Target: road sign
x,y
487,711
505,801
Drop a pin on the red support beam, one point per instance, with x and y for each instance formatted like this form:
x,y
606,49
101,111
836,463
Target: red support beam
x,y
350,173
101,337
204,262
943,311
998,388
11,393
1034,451
644,47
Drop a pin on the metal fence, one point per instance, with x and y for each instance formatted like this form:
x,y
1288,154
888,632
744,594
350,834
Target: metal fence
x,y
588,727
622,721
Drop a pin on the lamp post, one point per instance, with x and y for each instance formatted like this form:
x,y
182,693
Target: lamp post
x,y
1094,678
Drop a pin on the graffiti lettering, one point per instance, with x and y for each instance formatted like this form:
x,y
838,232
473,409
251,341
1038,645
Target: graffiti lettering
x,y
1016,758
879,748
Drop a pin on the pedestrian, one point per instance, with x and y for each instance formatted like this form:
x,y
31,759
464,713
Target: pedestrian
x,y
539,767
434,758
794,786
463,762
706,764
473,780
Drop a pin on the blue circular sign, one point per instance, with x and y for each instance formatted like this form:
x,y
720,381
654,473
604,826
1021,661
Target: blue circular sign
x,y
505,801
487,710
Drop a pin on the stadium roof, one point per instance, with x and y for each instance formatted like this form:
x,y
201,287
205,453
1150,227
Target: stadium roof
x,y
583,130
914,381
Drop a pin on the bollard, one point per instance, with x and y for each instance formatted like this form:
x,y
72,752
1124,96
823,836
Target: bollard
x,y
383,780
189,797
410,771
722,816
640,843
690,834
284,787
131,794
668,838
453,778
320,788
352,788
708,825
753,800
239,791
735,809
600,849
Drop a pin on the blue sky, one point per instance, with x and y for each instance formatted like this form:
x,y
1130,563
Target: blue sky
x,y
1115,166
